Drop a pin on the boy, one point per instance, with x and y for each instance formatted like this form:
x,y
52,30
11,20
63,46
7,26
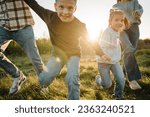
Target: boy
x,y
65,31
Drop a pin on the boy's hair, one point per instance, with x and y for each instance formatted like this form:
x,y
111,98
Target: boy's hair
x,y
74,0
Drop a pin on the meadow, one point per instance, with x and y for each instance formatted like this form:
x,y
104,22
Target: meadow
x,y
58,91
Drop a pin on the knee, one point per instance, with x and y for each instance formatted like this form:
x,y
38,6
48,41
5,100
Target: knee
x,y
129,49
45,78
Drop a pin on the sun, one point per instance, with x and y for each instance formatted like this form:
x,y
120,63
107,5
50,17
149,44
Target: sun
x,y
94,31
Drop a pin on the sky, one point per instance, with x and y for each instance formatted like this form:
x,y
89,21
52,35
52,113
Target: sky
x,y
94,13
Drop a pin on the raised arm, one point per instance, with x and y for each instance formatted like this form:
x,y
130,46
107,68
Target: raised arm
x,y
41,11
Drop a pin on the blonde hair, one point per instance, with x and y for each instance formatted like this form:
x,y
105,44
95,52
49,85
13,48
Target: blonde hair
x,y
114,12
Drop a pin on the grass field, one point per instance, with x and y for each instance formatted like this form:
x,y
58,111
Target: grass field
x,y
58,91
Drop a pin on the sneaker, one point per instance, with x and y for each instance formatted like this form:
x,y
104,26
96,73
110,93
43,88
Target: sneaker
x,y
44,90
98,81
17,82
117,97
134,85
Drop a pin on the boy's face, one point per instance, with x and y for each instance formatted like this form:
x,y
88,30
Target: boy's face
x,y
65,9
117,22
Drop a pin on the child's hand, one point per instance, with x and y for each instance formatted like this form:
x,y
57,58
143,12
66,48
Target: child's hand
x,y
106,58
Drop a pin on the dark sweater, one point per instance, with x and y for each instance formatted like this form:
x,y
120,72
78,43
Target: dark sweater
x,y
63,35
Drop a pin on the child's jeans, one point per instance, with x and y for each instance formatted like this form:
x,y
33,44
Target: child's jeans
x,y
129,41
25,38
116,69
54,66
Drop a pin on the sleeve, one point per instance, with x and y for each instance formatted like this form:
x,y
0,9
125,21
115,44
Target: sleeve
x,y
114,6
107,40
43,13
138,8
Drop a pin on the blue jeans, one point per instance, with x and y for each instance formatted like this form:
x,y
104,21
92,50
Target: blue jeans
x,y
104,70
129,41
54,66
25,38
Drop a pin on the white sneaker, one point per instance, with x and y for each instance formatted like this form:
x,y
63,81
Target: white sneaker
x,y
134,85
17,82
98,81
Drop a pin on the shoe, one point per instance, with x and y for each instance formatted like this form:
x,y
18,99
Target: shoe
x,y
44,90
98,82
17,82
134,85
117,97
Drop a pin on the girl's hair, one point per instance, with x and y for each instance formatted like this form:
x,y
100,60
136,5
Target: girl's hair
x,y
114,12
74,0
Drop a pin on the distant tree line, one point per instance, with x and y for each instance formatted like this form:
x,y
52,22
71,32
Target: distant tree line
x,y
44,47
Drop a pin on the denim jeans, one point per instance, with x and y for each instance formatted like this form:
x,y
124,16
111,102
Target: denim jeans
x,y
129,41
25,38
116,70
54,66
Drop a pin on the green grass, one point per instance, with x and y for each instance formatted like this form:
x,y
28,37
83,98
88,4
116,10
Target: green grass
x,y
58,91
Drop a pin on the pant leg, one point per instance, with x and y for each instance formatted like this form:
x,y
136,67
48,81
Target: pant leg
x,y
25,38
130,64
54,67
104,70
133,33
5,63
119,78
72,78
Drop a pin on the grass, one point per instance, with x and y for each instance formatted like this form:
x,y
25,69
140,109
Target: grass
x,y
58,91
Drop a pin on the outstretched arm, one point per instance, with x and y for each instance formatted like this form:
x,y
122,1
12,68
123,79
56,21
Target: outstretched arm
x,y
41,11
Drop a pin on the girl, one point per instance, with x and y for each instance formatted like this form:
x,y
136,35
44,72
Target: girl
x,y
130,38
110,45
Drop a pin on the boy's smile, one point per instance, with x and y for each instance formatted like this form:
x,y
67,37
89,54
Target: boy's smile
x,y
65,9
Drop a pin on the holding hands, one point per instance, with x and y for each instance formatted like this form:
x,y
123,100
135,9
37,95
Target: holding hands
x,y
106,58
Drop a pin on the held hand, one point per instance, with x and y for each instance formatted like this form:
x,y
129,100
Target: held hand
x,y
106,58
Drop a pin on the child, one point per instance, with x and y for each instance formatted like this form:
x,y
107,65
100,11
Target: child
x,y
65,31
110,46
130,38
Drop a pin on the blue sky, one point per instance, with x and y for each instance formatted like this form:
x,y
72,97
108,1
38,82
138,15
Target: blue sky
x,y
95,14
